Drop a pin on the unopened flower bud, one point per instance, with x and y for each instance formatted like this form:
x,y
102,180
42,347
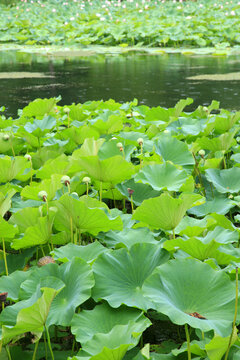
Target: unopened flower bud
x,y
66,110
119,145
6,137
65,180
28,157
140,141
43,195
130,191
201,153
86,180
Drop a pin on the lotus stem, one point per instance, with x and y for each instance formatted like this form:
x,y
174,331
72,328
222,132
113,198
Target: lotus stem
x,y
13,152
188,342
8,352
35,350
173,234
45,345
100,191
71,229
224,162
235,317
49,343
31,172
132,204
87,189
199,174
4,257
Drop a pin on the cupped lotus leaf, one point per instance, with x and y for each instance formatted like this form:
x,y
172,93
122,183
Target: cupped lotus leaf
x,y
162,176
190,226
224,122
225,181
108,122
78,279
25,218
103,318
106,354
222,221
7,230
221,143
109,149
218,345
17,261
87,252
120,275
113,170
165,212
39,107
73,213
11,283
33,318
201,251
222,236
6,201
127,237
90,147
40,127
188,126
197,348
174,150
13,168
220,205
38,234
140,191
58,165
13,143
77,135
180,105
48,185
191,292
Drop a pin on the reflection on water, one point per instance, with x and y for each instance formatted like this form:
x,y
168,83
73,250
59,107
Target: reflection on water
x,y
152,79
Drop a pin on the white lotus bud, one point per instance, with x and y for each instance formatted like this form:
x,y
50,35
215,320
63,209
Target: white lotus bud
x,y
66,110
28,157
6,137
86,180
201,153
140,141
65,180
43,195
119,145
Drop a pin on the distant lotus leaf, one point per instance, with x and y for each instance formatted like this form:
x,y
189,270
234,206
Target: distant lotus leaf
x,y
103,318
74,213
113,170
13,168
165,212
40,127
222,236
90,147
39,107
220,205
140,191
59,165
190,226
174,150
48,185
225,181
186,290
108,122
33,318
221,143
78,279
162,176
120,275
224,122
88,252
109,149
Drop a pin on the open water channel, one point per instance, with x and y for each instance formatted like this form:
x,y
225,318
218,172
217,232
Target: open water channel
x,y
152,79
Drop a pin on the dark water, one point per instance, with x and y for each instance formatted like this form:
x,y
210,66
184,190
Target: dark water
x,y
153,80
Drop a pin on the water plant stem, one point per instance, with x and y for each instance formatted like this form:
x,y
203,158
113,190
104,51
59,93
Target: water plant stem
x,y
8,352
35,350
188,341
4,257
45,345
235,317
132,204
71,229
49,343
100,191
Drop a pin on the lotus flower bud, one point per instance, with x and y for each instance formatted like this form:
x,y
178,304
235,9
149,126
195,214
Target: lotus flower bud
x,y
66,110
130,191
86,180
65,180
119,145
6,137
74,193
45,260
205,108
3,296
43,195
201,153
28,157
166,131
140,141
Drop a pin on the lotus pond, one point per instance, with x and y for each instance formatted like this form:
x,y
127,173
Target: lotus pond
x,y
119,231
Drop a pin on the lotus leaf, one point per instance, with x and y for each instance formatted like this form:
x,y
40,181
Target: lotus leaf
x,y
39,107
225,181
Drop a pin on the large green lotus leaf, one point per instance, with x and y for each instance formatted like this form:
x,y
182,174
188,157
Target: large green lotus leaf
x,y
174,150
5,201
75,212
185,286
127,237
25,218
38,234
48,185
17,261
196,347
88,252
162,176
113,170
198,250
39,107
188,126
40,127
14,142
103,318
140,191
109,149
78,279
13,168
221,143
119,275
7,230
33,318
222,221
225,181
217,347
220,205
222,236
78,135
90,147
59,165
106,354
224,122
190,226
165,212
108,122
11,284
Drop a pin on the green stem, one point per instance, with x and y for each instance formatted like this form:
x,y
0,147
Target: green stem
x,y
188,342
4,256
100,191
235,317
49,343
45,346
71,229
8,352
35,350
42,250
87,188
132,204
173,233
